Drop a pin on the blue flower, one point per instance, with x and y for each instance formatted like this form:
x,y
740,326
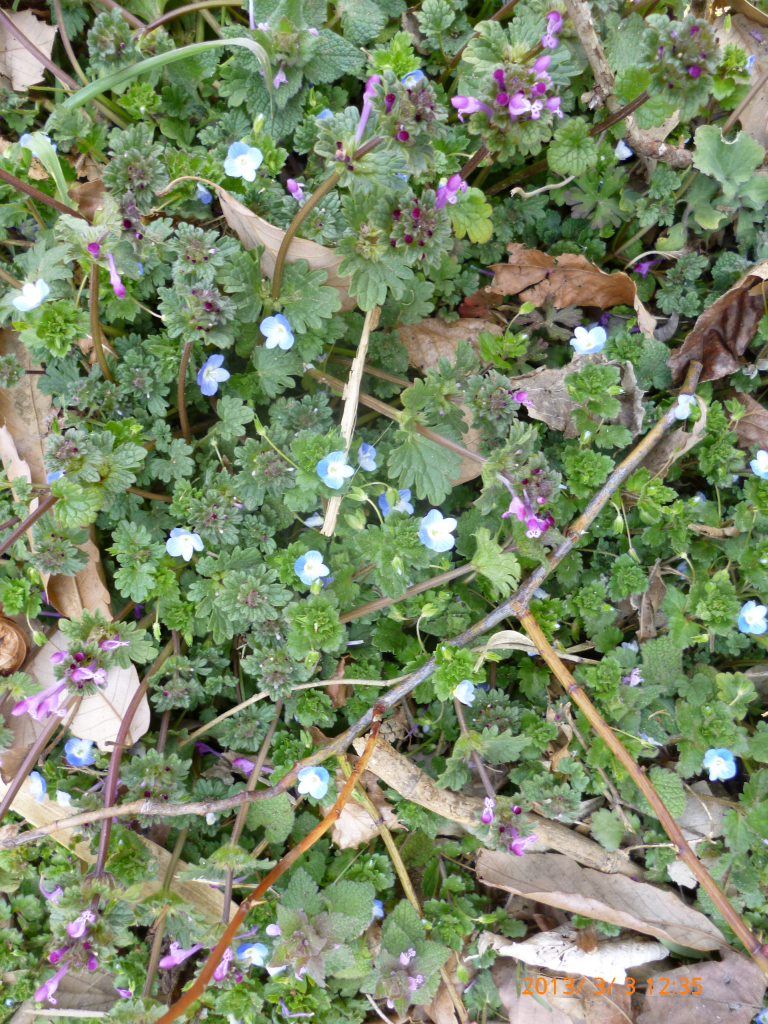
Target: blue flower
x,y
26,141
749,66
277,331
378,910
78,752
404,505
325,113
256,952
366,457
203,193
720,763
314,781
37,786
55,475
436,532
685,406
586,341
310,567
752,618
182,542
622,151
412,77
211,374
333,470
759,465
465,692
32,294
243,161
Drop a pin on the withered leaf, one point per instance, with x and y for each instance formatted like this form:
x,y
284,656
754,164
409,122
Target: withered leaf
x,y
751,429
355,825
566,280
722,333
677,443
650,604
559,882
16,62
88,197
732,990
549,399
743,32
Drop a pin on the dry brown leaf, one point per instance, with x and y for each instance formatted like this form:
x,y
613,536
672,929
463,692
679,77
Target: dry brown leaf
x,y
355,825
613,898
558,950
13,647
27,413
523,1008
649,605
722,333
429,340
16,63
99,716
549,400
441,1010
208,900
744,7
253,230
88,197
703,814
753,117
677,443
732,991
751,429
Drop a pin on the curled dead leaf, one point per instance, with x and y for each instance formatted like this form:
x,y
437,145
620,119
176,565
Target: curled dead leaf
x,y
568,279
752,428
99,716
13,647
722,333
88,197
549,400
253,230
613,898
677,443
652,619
355,825
16,62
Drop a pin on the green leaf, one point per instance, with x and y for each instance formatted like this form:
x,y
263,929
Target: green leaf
x,y
306,303
275,814
670,789
608,829
730,163
77,506
423,464
353,900
500,568
758,743
46,154
233,416
572,151
471,215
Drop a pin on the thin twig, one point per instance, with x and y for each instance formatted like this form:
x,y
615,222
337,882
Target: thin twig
x,y
200,984
320,193
35,193
183,420
157,941
67,44
186,9
130,18
95,328
22,528
351,395
221,717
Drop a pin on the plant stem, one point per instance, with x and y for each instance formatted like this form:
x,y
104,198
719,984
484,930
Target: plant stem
x,y
110,786
22,528
186,9
319,193
130,18
183,421
95,328
200,984
481,769
477,157
66,43
157,941
14,282
253,779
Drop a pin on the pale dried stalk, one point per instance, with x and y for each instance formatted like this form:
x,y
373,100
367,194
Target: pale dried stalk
x,y
226,714
742,931
351,395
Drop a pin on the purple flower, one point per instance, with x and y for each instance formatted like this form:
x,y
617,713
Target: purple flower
x,y
405,958
223,966
94,249
470,105
522,398
114,278
295,189
243,764
42,705
415,981
89,673
518,105
273,930
519,843
694,70
58,657
541,65
369,95
487,816
280,78
516,508
645,266
553,104
124,992
93,963
114,643
76,929
313,31
448,193
52,895
177,955
56,954
47,989
389,102
554,24
634,678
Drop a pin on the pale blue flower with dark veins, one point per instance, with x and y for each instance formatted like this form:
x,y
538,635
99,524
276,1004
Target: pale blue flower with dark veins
x,y
333,470
277,330
752,618
366,457
403,505
313,781
211,374
436,532
310,567
585,342
685,406
465,692
720,763
37,786
412,77
183,543
78,752
243,161
255,952
55,475
203,194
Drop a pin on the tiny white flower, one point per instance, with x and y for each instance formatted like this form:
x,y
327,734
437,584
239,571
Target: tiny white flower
x,y
685,405
622,151
465,692
586,342
315,520
183,543
210,818
32,294
63,798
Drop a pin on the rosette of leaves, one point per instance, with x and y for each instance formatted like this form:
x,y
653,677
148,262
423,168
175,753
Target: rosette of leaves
x,y
272,667
108,934
55,550
375,172
198,313
200,253
407,968
297,55
111,45
410,118
421,233
264,472
373,263
317,928
52,328
156,776
680,57
136,170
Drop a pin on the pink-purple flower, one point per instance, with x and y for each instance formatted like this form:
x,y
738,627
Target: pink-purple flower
x,y
114,643
369,95
487,816
295,189
52,895
76,929
177,955
223,966
44,704
554,25
46,991
519,843
114,278
449,192
466,105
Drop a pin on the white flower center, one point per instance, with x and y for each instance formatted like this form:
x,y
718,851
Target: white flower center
x,y
278,334
243,163
755,616
717,766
